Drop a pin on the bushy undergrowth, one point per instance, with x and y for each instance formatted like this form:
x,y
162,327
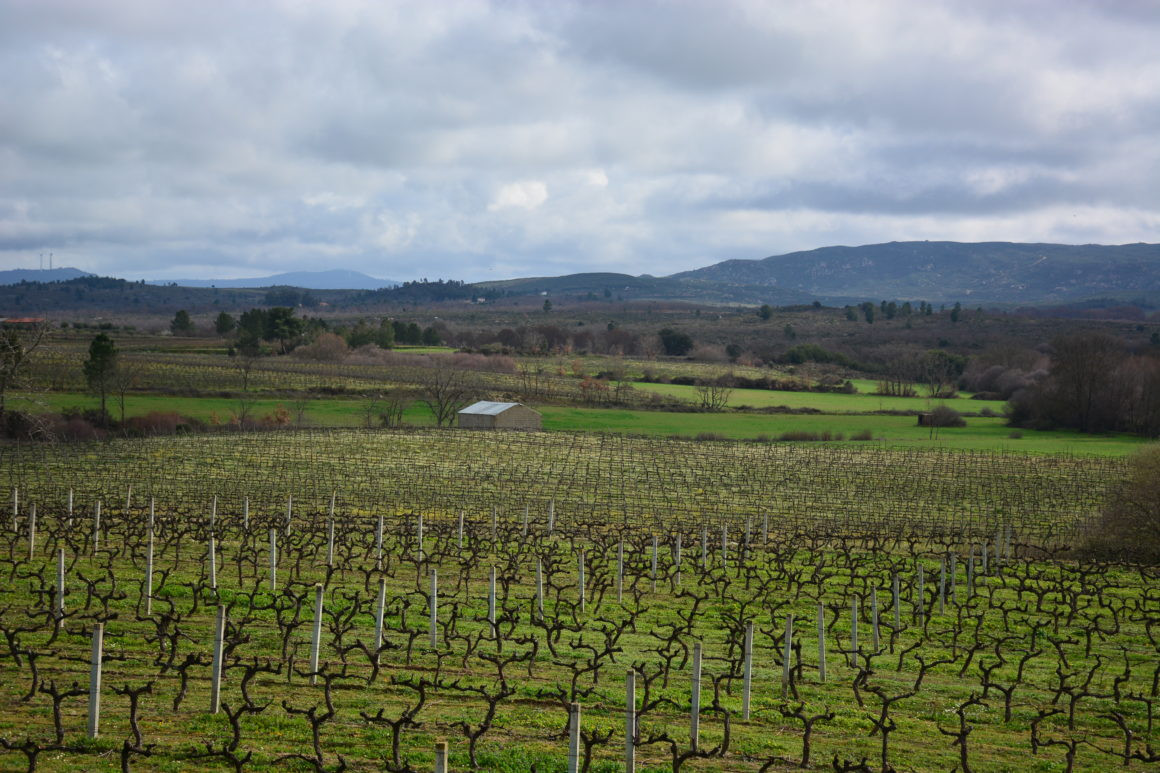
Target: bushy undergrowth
x,y
1129,526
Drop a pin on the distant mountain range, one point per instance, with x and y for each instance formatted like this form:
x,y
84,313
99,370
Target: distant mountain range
x,y
998,273
990,272
18,275
336,279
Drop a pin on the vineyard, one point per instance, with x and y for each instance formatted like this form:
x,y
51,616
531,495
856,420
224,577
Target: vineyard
x,y
352,600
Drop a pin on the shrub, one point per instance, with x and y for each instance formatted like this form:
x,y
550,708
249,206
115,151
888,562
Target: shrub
x,y
945,416
863,435
158,423
715,436
1129,526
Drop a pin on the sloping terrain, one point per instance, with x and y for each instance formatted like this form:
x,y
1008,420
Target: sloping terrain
x,y
1003,272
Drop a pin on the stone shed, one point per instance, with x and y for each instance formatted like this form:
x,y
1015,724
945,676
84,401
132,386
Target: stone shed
x,y
488,415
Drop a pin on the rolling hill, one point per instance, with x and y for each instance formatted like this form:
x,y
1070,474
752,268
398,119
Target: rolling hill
x,y
993,272
336,279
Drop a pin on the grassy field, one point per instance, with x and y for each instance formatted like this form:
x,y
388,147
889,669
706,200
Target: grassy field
x,y
990,434
766,532
827,402
981,433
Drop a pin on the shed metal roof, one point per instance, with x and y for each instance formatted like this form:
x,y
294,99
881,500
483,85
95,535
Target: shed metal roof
x,y
487,408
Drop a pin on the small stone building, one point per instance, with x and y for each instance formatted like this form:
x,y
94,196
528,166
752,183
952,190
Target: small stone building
x,y
488,415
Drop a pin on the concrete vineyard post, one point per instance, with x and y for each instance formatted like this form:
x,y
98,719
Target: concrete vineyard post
x,y
31,532
897,605
854,629
15,507
630,722
289,513
273,560
379,542
433,608
316,633
765,530
653,567
246,514
704,546
211,557
747,671
919,608
460,528
128,499
60,583
787,655
620,571
874,618
97,527
539,589
491,603
574,738
677,560
971,574
954,577
330,542
219,632
213,515
95,680
695,710
524,527
724,544
419,538
821,642
70,506
380,605
441,757
149,571
551,516
942,585
580,579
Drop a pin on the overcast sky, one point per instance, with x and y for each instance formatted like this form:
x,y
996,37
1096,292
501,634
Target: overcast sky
x,y
479,140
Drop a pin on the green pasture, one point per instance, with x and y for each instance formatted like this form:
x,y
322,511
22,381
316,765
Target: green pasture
x,y
327,412
863,401
980,434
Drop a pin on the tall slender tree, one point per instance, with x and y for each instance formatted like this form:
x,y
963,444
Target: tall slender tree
x,y
101,368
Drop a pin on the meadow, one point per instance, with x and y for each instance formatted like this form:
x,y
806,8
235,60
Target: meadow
x,y
839,416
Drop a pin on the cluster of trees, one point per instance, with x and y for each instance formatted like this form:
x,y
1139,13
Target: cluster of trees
x,y
935,369
545,338
423,291
892,309
1093,385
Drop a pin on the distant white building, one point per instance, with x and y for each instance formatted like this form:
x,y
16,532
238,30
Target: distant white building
x,y
491,415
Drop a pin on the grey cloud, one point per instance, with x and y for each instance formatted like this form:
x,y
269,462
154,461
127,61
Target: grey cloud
x,y
149,139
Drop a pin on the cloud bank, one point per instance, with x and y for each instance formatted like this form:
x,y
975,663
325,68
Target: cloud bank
x,y
479,140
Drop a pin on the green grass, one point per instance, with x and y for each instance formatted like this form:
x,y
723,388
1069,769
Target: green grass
x,y
604,490
989,434
980,434
326,412
861,402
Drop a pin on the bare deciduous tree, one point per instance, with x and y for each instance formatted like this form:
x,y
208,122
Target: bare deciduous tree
x,y
446,389
714,393
17,344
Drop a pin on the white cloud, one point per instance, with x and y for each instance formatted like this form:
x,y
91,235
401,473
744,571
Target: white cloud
x,y
527,194
472,137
